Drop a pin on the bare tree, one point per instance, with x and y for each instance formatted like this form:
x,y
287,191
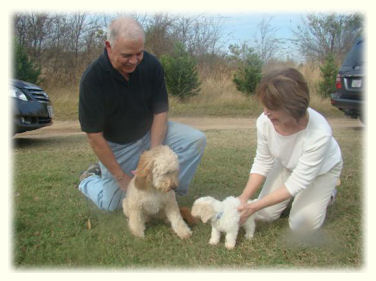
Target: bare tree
x,y
266,44
158,34
64,44
200,34
32,31
324,34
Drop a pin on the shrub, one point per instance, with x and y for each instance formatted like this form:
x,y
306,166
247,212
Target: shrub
x,y
181,73
328,73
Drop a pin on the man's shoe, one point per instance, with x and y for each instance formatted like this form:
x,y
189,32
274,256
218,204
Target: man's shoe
x,y
93,169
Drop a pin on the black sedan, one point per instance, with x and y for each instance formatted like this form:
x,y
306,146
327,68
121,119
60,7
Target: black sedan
x,y
32,108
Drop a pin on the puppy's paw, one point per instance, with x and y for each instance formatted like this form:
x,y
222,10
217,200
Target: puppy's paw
x,y
213,241
230,245
248,236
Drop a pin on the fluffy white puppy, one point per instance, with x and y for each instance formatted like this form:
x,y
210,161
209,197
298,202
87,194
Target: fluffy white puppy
x,y
224,217
151,192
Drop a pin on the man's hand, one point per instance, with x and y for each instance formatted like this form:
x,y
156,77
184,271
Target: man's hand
x,y
123,181
106,156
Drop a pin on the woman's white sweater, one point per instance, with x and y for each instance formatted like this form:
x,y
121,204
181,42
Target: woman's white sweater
x,y
307,154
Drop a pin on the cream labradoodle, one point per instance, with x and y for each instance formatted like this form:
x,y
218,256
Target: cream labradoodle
x,y
151,192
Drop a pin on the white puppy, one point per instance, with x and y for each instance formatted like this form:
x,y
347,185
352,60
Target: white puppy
x,y
224,217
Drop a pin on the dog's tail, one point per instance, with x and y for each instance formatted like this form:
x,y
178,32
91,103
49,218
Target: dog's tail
x,y
187,216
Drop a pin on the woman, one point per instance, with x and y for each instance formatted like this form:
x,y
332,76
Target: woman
x,y
296,158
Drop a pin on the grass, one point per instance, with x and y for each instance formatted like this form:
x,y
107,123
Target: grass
x,y
50,215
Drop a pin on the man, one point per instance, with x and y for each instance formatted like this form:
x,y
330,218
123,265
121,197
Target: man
x,y
123,109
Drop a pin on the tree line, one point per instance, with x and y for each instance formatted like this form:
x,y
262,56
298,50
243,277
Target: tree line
x,y
62,45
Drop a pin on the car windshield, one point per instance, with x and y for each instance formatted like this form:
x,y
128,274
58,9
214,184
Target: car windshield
x,y
355,56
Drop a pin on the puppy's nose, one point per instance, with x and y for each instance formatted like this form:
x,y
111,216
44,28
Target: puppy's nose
x,y
174,186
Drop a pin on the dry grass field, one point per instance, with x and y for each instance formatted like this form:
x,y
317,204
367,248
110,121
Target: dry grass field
x,y
218,97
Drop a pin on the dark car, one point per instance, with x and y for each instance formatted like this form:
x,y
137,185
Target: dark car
x,y
350,83
32,108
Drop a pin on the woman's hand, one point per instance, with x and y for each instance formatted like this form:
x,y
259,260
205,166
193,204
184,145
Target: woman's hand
x,y
245,210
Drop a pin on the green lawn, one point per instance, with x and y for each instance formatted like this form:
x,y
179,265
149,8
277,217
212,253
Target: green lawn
x,y
50,215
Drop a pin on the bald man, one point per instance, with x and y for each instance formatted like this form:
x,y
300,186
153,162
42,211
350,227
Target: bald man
x,y
123,109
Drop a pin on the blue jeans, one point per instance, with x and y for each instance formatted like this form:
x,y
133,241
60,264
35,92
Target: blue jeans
x,y
186,142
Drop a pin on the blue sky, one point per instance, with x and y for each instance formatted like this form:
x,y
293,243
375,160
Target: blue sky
x,y
243,27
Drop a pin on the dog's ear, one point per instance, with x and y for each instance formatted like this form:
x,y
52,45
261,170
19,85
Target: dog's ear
x,y
203,210
143,173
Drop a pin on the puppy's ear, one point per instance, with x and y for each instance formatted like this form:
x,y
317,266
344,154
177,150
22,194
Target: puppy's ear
x,y
204,211
143,173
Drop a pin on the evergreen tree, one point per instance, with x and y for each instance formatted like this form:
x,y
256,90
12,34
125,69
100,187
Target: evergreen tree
x,y
249,72
181,73
329,71
24,68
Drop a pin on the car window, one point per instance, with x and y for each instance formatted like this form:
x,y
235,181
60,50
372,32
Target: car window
x,y
355,55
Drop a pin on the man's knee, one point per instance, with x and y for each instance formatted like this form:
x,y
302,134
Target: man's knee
x,y
200,141
194,144
184,136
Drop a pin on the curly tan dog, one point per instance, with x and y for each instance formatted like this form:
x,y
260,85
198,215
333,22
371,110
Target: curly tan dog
x,y
150,193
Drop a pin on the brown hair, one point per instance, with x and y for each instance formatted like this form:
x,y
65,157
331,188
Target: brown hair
x,y
284,89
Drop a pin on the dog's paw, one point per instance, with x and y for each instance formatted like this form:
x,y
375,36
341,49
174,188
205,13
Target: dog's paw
x,y
139,234
137,231
185,234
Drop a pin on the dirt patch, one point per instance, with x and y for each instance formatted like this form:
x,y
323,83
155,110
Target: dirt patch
x,y
66,128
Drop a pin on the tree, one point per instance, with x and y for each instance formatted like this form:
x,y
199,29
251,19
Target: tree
x,y
158,34
62,45
324,34
199,34
266,44
181,73
24,68
249,71
329,71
